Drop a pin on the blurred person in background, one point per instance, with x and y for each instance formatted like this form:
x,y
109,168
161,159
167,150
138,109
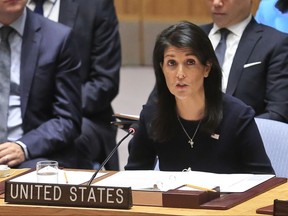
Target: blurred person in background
x,y
40,62
95,25
255,67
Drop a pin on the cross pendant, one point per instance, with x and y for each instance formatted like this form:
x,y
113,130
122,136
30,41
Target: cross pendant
x,y
191,143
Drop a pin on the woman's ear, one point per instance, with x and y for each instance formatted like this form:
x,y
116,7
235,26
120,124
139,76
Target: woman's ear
x,y
207,69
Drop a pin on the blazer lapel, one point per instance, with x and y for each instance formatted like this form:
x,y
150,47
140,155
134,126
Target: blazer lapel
x,y
29,57
250,36
207,28
68,12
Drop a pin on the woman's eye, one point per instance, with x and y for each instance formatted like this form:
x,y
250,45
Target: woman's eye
x,y
191,62
171,63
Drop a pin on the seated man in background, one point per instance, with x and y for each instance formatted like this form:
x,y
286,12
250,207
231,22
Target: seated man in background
x,y
95,25
41,90
255,67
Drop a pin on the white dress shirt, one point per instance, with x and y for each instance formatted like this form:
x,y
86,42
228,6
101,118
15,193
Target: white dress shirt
x,y
232,42
50,8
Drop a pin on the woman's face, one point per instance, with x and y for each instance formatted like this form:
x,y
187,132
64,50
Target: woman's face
x,y
184,74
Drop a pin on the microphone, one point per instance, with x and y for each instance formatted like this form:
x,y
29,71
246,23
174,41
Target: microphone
x,y
132,129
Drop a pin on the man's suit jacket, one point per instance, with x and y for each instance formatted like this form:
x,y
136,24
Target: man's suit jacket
x,y
96,28
49,90
259,72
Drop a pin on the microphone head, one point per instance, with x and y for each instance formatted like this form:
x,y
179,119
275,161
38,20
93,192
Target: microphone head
x,y
133,128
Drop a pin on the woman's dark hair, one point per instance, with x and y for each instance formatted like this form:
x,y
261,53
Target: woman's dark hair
x,y
189,36
282,6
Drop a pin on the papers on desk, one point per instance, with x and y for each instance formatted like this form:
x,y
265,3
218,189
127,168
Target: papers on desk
x,y
163,180
73,177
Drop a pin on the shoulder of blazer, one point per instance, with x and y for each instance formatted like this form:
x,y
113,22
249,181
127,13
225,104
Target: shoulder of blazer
x,y
265,31
207,27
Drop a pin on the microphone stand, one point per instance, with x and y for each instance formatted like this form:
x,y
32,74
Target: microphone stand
x,y
131,131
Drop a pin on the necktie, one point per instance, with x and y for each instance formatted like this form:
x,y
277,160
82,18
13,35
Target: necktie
x,y
5,63
221,47
39,6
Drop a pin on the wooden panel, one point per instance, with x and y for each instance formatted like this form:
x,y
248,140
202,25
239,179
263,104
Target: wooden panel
x,y
128,9
166,10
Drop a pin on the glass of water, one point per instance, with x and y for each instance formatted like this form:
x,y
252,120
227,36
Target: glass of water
x,y
47,171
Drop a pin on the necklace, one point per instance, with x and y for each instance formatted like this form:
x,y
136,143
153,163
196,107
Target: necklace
x,y
190,140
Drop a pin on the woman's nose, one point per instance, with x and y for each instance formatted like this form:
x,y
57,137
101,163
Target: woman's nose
x,y
180,72
217,3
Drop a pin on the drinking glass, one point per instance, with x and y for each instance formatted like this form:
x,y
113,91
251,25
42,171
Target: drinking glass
x,y
47,171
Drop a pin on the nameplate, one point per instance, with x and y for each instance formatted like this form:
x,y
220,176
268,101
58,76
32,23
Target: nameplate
x,y
188,198
68,195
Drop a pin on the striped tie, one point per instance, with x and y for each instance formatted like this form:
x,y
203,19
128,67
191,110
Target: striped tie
x,y
5,64
221,47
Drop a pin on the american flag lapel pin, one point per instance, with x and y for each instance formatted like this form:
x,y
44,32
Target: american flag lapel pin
x,y
215,136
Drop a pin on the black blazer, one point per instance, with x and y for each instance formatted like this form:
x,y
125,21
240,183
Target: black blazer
x,y
236,148
49,90
99,52
263,85
95,25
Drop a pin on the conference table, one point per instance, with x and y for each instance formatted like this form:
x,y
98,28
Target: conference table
x,y
247,208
